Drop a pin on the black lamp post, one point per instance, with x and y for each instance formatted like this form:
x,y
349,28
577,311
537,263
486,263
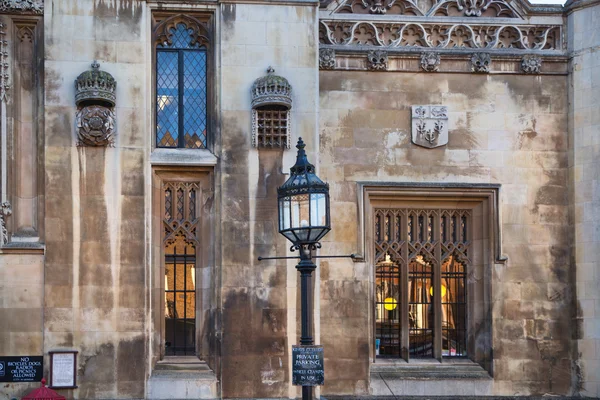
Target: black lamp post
x,y
303,203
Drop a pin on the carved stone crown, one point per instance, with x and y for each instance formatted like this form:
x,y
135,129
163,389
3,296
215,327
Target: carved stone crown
x,y
271,90
95,87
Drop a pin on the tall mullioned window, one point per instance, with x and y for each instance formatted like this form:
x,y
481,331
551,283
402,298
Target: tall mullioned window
x,y
182,83
421,263
180,229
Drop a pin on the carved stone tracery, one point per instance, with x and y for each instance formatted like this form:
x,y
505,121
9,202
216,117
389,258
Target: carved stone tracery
x,y
449,8
4,84
412,35
22,6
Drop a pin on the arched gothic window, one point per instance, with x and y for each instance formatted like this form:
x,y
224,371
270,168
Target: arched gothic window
x,y
421,265
182,89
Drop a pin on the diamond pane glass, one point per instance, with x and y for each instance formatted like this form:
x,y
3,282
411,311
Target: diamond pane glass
x,y
167,99
194,99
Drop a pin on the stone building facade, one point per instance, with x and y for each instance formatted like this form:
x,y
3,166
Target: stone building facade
x,y
142,143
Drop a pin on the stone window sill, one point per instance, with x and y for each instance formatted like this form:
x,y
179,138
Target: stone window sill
x,y
430,369
23,248
183,157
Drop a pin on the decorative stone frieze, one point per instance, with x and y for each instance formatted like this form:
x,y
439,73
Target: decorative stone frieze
x,y
377,60
480,62
473,8
509,39
430,61
4,63
326,58
468,8
430,125
531,64
396,7
5,211
22,6
95,96
96,126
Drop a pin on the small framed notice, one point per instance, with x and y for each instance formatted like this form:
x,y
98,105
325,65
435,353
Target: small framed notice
x,y
63,369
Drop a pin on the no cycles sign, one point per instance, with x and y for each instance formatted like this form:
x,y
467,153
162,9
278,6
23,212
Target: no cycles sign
x,y
21,369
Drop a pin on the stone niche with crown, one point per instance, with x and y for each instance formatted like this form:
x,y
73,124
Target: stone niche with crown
x,y
271,105
95,96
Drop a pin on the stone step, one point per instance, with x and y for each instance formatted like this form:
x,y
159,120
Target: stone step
x,y
182,378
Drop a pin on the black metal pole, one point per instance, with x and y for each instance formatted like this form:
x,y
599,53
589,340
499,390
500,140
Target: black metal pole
x,y
306,268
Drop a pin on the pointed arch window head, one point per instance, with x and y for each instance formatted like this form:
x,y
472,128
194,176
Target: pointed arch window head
x,y
182,84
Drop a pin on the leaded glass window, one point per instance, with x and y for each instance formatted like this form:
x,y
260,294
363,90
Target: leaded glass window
x,y
181,84
421,263
180,228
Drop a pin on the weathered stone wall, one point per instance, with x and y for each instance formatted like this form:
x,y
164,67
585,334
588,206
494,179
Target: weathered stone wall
x,y
584,196
259,298
21,312
510,130
96,234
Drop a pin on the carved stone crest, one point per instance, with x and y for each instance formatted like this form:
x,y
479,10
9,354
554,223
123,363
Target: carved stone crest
x,y
480,62
531,64
326,58
95,126
377,60
430,61
430,125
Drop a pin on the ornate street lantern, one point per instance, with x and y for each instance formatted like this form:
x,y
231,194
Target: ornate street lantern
x,y
303,204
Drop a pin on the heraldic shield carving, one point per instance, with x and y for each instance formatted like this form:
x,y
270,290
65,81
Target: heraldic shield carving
x,y
430,126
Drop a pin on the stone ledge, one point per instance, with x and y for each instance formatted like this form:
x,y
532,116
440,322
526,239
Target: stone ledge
x,y
183,157
466,370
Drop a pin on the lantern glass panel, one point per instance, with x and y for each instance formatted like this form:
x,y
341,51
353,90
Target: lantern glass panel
x,y
300,211
318,211
284,213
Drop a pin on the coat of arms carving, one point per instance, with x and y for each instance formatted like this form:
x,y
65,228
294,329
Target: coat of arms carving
x,y
430,125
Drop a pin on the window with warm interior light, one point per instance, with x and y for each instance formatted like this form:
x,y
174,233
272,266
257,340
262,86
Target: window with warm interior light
x,y
422,257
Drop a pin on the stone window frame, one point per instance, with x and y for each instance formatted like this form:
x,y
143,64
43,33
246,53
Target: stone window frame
x,y
483,200
206,20
205,335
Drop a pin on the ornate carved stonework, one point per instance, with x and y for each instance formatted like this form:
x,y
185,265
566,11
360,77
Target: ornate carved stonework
x,y
438,36
95,126
480,62
271,89
4,85
95,87
396,7
473,8
377,60
531,64
430,125
95,96
449,8
22,6
5,211
430,61
326,58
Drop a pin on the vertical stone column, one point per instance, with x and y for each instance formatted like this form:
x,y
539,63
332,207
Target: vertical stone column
x,y
584,167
